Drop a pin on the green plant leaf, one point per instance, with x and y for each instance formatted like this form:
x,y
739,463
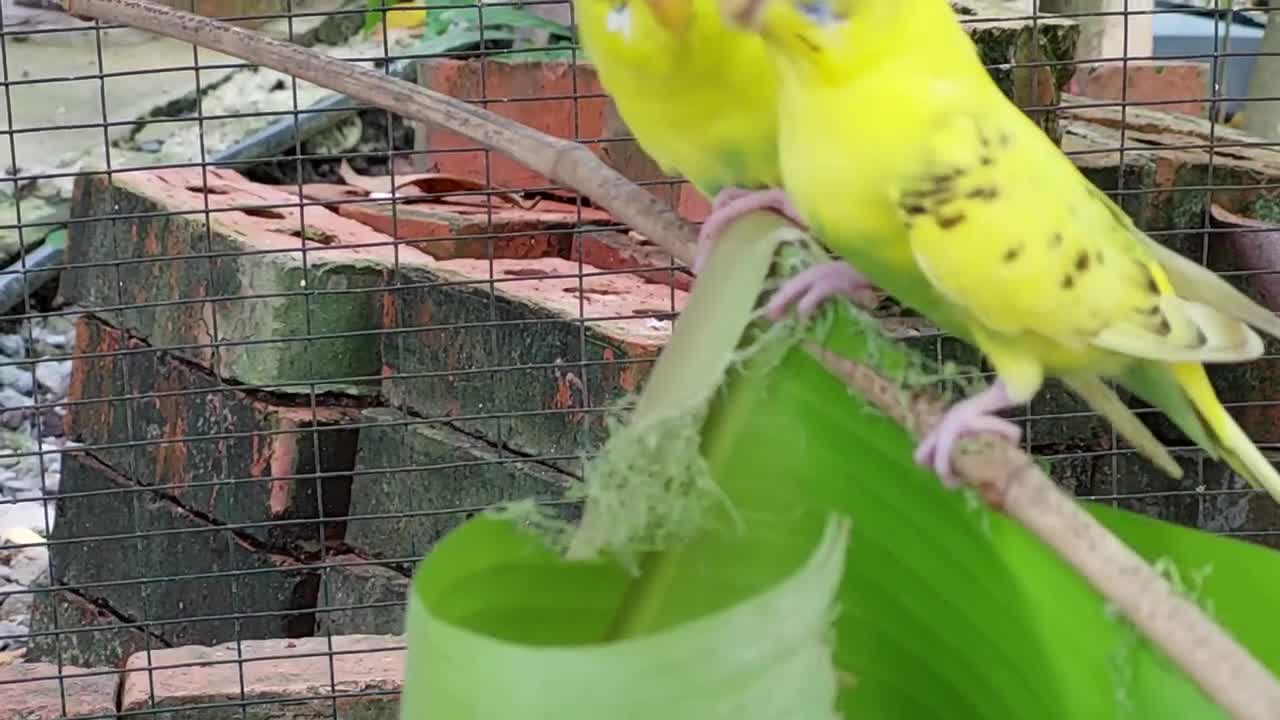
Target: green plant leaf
x,y
945,609
494,603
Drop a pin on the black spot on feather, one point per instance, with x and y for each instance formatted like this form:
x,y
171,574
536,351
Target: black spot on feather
x,y
946,222
1068,281
914,209
1012,254
984,193
1055,240
1164,328
810,45
1082,261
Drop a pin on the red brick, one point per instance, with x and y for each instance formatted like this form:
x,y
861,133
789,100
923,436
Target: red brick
x,y
1183,85
545,96
241,273
453,230
615,251
542,397
37,691
365,669
694,206
239,458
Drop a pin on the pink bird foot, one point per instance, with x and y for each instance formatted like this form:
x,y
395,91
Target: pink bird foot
x,y
807,290
967,417
731,204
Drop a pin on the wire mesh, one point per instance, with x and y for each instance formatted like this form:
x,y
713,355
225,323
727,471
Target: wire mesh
x,y
264,345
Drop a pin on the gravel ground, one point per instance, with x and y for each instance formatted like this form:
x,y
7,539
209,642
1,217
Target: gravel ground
x,y
31,441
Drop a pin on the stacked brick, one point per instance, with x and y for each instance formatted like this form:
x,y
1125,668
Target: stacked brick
x,y
282,408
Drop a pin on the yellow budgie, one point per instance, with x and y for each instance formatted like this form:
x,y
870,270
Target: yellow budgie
x,y
700,97
903,155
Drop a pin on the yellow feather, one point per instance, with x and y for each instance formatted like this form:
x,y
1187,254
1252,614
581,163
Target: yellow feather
x,y
909,161
699,96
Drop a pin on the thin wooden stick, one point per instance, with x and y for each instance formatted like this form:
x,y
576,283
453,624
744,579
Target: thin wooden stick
x,y
561,160
1011,482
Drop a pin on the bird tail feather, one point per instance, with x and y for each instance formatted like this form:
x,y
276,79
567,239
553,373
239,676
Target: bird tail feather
x,y
1233,445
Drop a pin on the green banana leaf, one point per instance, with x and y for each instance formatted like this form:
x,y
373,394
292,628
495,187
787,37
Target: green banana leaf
x,y
710,585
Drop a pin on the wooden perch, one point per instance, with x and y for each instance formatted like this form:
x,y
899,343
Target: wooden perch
x,y
1006,477
561,160
1010,481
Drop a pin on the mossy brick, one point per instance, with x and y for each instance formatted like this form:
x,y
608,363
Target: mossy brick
x,y
350,677
274,471
69,629
360,597
154,562
246,289
416,480
531,364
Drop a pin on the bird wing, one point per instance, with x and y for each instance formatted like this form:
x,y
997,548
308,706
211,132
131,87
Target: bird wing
x,y
1005,226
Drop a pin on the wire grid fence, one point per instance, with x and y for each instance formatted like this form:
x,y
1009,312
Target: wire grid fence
x,y
244,392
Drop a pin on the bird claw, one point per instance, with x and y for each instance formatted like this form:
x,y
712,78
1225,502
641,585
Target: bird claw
x,y
808,289
968,417
731,204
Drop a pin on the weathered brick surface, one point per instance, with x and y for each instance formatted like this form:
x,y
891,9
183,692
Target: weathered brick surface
x,y
44,691
293,679
219,451
361,597
415,481
81,633
546,96
453,230
255,279
1178,85
517,355
449,231
202,583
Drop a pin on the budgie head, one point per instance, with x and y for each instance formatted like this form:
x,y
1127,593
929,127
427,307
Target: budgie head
x,y
836,40
644,31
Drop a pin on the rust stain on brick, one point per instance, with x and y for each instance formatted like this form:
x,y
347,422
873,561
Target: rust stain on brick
x,y
284,458
1166,171
171,457
390,310
422,315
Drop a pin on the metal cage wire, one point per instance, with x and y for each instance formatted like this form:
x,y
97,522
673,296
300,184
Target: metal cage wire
x,y
251,400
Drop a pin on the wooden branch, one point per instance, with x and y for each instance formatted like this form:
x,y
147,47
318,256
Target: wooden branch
x,y
1011,482
561,160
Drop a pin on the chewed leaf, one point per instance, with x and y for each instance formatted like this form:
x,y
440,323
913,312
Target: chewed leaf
x,y
479,650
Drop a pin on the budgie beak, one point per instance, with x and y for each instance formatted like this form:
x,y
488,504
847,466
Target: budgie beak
x,y
674,15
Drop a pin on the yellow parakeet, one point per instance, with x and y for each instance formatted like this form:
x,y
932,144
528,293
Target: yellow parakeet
x,y
904,156
700,96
